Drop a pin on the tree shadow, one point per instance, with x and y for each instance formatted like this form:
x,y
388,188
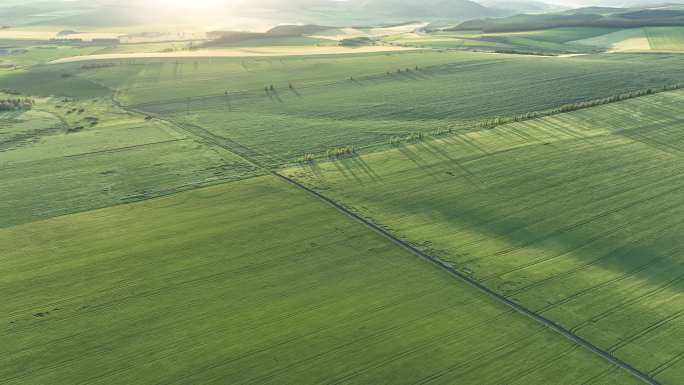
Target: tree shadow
x,y
363,165
412,75
346,171
463,139
275,95
439,152
414,157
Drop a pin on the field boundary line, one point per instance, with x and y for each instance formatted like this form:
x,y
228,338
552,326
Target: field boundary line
x,y
643,377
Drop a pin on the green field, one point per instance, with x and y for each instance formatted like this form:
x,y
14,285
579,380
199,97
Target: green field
x,y
666,38
149,233
547,41
326,109
576,216
216,300
609,40
54,161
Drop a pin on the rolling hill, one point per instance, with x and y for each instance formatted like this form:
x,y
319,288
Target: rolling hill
x,y
459,9
582,17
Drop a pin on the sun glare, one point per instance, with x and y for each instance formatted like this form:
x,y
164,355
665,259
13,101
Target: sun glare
x,y
187,4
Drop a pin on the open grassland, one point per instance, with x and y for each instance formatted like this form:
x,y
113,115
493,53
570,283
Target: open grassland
x,y
631,39
549,41
66,155
576,216
256,51
22,54
666,38
50,83
355,101
254,282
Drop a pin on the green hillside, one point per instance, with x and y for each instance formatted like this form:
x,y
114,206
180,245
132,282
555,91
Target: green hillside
x,y
360,192
575,216
587,17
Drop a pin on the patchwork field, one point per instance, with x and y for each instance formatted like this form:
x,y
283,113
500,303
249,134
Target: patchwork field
x,y
146,237
237,52
215,286
548,41
576,216
67,155
355,101
666,38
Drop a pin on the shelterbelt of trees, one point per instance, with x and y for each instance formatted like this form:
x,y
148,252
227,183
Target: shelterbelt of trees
x,y
16,104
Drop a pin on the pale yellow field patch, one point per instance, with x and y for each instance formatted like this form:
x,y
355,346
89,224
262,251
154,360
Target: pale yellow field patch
x,y
350,33
238,52
47,35
634,44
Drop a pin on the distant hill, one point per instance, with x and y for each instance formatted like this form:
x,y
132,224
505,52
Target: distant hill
x,y
457,9
521,6
218,38
583,17
296,30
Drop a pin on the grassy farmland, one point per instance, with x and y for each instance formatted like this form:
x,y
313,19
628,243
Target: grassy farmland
x,y
68,155
576,216
149,233
352,100
547,41
222,301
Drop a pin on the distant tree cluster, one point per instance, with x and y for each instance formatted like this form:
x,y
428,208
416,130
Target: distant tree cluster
x,y
356,42
89,66
306,158
16,104
341,152
410,138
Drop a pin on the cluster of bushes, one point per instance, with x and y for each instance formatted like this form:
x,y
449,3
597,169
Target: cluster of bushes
x,y
340,152
441,131
399,70
78,110
10,91
90,66
92,120
356,42
490,123
410,138
306,158
16,104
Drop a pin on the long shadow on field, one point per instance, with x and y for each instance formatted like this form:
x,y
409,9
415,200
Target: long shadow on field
x,y
512,232
439,152
419,161
275,95
360,163
315,169
463,139
346,171
413,75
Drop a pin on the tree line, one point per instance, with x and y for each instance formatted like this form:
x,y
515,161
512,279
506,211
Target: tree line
x,y
16,104
490,123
